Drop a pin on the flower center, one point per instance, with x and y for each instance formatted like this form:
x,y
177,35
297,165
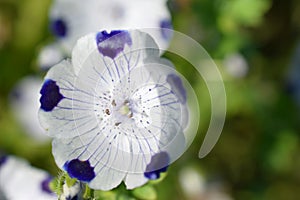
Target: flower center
x,y
125,109
121,112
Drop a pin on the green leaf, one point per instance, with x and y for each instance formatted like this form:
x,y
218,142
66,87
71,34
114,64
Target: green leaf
x,y
70,181
146,192
57,183
124,196
104,195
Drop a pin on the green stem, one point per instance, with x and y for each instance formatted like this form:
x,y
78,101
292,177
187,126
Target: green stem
x,y
89,193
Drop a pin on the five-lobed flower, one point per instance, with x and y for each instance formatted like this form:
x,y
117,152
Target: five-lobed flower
x,y
116,110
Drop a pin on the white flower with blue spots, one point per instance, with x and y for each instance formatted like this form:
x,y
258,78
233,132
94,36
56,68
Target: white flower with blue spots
x,y
117,111
19,180
69,20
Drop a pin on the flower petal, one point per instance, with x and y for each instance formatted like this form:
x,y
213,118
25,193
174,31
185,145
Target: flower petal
x,y
177,87
111,44
56,112
100,161
158,164
133,46
17,175
135,180
166,24
50,95
83,49
49,56
82,170
107,179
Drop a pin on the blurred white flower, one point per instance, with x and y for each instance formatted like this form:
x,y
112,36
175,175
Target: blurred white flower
x,y
196,187
24,102
192,182
50,55
236,65
72,19
19,180
117,111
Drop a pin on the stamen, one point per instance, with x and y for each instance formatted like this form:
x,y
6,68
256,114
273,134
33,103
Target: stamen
x,y
113,103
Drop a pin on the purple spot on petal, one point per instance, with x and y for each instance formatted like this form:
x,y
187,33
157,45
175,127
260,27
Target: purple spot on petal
x,y
177,87
111,44
82,170
158,164
166,29
50,95
58,28
45,185
3,159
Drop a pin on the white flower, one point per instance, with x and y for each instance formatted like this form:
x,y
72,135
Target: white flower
x,y
196,186
236,65
24,101
19,180
72,19
117,111
192,182
50,55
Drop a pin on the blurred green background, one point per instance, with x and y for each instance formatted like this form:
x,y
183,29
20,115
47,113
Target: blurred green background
x,y
257,156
